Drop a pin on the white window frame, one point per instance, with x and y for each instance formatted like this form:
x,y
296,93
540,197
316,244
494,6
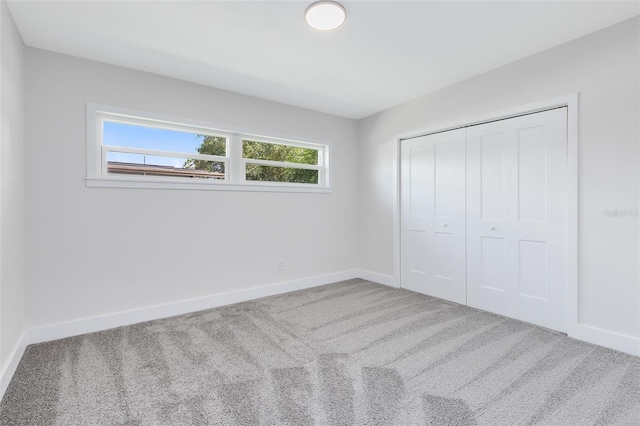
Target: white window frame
x,y
244,161
235,164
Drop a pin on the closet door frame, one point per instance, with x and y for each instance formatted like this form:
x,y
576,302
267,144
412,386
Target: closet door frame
x,y
571,102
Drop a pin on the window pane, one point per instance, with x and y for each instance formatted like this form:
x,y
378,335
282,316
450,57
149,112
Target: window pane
x,y
134,136
261,172
151,165
274,152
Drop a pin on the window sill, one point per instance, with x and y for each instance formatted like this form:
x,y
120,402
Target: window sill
x,y
102,182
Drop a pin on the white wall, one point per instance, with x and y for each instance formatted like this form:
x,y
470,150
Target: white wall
x,y
12,304
95,251
604,68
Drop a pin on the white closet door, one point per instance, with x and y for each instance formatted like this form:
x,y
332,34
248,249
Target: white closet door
x,y
517,218
433,215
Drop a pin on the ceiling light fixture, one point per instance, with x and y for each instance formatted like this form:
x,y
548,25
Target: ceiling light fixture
x,y
325,15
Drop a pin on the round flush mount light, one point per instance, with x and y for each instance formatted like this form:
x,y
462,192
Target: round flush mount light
x,y
325,15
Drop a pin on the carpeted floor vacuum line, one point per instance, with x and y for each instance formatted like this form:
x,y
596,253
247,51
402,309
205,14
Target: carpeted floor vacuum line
x,y
350,353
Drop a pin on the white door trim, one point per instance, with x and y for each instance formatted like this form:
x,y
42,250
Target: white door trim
x,y
571,102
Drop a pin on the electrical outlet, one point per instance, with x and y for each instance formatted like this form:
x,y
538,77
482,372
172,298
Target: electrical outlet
x,y
280,265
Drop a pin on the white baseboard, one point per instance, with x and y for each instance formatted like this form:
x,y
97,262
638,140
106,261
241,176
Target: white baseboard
x,y
378,278
119,319
9,369
608,339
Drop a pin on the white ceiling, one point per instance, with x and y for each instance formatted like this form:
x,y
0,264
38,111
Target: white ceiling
x,y
385,54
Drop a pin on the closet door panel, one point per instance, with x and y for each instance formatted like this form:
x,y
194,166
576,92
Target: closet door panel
x,y
488,248
415,171
516,194
433,215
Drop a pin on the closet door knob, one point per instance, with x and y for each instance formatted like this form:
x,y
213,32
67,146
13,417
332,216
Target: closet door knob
x,y
493,228
445,225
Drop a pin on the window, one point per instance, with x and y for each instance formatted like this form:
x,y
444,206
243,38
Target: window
x,y
131,149
145,150
273,162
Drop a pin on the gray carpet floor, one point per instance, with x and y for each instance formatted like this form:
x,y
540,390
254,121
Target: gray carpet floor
x,y
350,353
